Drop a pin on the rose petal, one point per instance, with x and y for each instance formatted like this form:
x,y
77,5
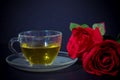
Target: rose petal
x,y
103,59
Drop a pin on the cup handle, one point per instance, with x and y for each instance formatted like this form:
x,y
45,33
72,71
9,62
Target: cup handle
x,y
11,43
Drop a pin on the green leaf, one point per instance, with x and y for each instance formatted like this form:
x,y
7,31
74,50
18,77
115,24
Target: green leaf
x,y
118,41
84,25
118,38
73,25
101,27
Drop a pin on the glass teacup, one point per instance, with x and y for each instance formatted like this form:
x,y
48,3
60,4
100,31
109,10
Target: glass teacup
x,y
38,47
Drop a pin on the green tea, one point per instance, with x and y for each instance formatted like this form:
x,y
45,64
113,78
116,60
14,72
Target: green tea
x,y
40,55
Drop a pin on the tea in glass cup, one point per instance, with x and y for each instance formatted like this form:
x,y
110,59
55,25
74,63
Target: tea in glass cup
x,y
38,47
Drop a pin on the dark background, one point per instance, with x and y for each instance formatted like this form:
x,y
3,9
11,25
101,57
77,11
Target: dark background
x,y
20,15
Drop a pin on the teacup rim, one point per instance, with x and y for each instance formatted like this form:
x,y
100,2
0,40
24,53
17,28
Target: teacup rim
x,y
21,34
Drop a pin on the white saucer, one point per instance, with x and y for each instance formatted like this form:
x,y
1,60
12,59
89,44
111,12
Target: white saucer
x,y
62,61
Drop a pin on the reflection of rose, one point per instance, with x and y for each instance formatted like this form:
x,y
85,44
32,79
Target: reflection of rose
x,y
103,58
81,40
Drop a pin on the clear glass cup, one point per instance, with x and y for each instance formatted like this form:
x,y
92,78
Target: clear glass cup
x,y
38,47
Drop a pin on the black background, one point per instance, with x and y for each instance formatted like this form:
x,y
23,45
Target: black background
x,y
21,15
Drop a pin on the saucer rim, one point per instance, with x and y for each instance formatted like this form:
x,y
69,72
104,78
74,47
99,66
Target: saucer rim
x,y
39,69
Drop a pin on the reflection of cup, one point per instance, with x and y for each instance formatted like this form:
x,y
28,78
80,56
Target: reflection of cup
x,y
38,47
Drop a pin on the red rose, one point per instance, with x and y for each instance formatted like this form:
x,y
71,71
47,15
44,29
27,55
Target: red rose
x,y
81,40
103,58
